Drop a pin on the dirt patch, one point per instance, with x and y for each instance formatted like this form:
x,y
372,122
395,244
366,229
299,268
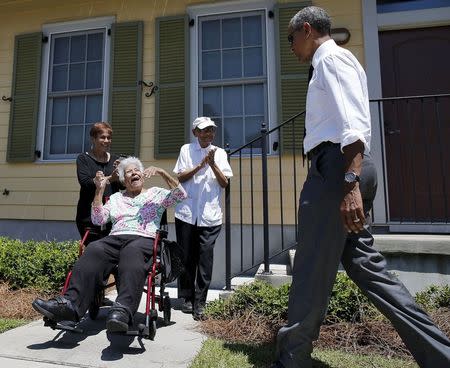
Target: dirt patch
x,y
17,303
369,337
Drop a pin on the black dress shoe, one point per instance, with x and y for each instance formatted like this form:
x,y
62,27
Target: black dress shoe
x,y
186,307
199,312
56,309
118,320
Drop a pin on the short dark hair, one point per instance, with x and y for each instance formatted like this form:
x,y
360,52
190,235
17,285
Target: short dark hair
x,y
97,128
317,17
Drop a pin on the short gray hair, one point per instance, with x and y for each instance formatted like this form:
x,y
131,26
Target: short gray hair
x,y
126,162
315,16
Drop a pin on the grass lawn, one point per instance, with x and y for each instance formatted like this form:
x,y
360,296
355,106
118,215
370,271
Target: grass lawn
x,y
9,323
220,354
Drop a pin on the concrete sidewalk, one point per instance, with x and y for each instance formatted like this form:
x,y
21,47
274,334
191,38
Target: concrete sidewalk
x,y
36,346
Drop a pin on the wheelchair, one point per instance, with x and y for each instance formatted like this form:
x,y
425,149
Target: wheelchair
x,y
166,266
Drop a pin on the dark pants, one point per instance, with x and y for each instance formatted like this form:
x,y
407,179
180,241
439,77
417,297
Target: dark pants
x,y
323,243
197,243
131,253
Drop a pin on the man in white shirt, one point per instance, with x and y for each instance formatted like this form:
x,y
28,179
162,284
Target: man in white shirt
x,y
334,206
203,170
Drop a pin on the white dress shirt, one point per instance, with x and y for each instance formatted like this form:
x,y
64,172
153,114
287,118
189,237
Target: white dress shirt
x,y
203,204
337,103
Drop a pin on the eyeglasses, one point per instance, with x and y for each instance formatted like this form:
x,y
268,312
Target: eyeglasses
x,y
291,39
290,36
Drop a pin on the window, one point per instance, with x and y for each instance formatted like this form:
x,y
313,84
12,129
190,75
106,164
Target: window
x,y
74,87
232,85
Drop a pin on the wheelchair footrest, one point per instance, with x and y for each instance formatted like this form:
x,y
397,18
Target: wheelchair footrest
x,y
64,326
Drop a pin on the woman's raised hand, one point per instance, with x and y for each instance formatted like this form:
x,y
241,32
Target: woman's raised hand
x,y
101,180
151,171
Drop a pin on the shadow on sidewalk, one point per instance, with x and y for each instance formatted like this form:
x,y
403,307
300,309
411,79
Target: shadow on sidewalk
x,y
119,344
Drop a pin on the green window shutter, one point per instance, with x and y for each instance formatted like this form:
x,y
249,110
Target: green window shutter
x,y
25,98
125,97
172,79
293,82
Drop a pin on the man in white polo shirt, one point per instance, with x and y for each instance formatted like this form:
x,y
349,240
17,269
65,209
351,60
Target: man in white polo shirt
x,y
203,170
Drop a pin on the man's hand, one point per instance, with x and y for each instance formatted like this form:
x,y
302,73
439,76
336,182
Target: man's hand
x,y
352,211
115,174
210,157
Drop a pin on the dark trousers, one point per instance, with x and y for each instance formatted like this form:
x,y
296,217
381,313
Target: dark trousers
x,y
323,243
132,254
197,243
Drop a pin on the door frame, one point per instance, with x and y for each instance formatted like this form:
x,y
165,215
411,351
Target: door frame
x,y
372,24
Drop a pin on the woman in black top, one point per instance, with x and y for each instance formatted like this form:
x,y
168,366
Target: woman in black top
x,y
88,163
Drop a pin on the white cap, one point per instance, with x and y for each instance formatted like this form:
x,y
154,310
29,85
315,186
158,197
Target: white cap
x,y
203,122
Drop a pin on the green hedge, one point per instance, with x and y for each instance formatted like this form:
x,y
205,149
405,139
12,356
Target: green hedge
x,y
40,265
347,303
434,297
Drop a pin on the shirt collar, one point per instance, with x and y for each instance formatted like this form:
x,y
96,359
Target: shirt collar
x,y
322,50
198,147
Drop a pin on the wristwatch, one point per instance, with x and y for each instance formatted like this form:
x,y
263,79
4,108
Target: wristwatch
x,y
351,177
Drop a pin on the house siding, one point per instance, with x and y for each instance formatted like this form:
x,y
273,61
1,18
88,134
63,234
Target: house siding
x,y
49,191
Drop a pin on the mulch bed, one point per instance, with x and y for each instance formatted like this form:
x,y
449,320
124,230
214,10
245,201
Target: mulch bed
x,y
17,303
363,338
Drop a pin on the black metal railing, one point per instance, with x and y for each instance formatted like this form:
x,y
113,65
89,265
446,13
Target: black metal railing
x,y
415,152
258,237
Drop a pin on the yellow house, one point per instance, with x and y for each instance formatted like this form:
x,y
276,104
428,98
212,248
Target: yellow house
x,y
68,64
150,67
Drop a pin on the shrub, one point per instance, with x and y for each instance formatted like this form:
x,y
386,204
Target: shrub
x,y
259,296
434,297
41,265
347,303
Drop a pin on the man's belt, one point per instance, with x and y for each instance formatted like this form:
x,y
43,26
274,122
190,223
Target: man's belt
x,y
316,150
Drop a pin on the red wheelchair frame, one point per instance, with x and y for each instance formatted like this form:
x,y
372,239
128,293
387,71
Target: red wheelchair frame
x,y
147,330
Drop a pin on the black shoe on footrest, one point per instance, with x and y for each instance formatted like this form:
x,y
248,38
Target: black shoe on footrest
x,y
118,320
56,309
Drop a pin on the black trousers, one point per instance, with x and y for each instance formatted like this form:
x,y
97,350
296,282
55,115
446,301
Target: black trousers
x,y
131,253
197,243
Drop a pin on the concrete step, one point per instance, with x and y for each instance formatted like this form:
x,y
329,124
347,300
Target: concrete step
x,y
413,243
235,283
419,260
405,243
279,274
241,280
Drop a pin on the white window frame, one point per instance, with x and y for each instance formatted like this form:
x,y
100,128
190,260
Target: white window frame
x,y
219,9
373,22
66,27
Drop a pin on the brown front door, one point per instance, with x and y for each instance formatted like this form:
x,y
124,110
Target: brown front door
x,y
416,62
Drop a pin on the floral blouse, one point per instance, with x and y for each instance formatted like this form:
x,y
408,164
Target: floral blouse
x,y
140,215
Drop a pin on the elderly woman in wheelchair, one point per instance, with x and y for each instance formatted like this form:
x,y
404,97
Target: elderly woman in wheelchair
x,y
135,214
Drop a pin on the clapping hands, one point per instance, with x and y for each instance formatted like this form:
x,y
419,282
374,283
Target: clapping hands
x,y
209,158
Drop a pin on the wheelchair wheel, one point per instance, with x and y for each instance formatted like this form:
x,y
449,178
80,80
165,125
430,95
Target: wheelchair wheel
x,y
96,304
167,310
